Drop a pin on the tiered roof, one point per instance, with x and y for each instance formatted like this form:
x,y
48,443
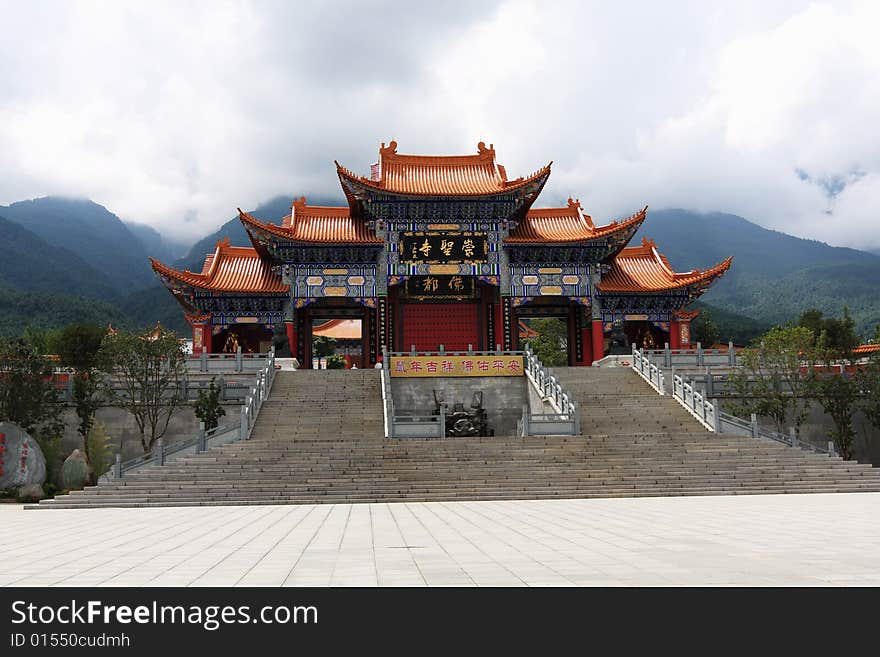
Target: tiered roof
x,y
441,175
317,225
643,269
567,225
249,270
229,269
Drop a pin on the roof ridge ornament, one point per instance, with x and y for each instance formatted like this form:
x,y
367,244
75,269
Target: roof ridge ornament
x,y
648,243
390,150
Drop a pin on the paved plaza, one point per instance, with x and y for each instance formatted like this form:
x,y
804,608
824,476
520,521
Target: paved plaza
x,y
821,539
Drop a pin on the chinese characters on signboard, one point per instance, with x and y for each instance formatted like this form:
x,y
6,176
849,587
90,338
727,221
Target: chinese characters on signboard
x,y
424,366
440,287
444,248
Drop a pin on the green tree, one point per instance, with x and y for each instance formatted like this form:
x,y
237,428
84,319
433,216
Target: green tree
x,y
148,369
776,377
551,343
99,448
831,334
27,390
79,348
323,346
208,407
335,362
706,330
838,395
868,379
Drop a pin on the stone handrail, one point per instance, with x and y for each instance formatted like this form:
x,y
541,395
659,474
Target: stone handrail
x,y
693,356
203,440
707,412
566,418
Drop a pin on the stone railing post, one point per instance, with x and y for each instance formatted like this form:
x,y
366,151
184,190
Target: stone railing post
x,y
667,355
117,466
699,354
731,354
159,457
831,451
716,417
442,422
203,362
238,364
792,433
754,425
201,443
244,422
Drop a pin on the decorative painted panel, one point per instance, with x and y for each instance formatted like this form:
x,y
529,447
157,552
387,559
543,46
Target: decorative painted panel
x,y
529,280
316,281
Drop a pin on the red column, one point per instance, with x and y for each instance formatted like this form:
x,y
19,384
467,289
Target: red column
x,y
499,323
209,338
674,335
587,346
291,337
598,339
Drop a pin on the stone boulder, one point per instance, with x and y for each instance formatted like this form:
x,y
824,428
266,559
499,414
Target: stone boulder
x,y
30,493
21,459
75,471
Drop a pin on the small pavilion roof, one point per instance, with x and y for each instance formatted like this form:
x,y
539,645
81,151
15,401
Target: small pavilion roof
x,y
865,349
317,224
566,225
228,269
442,175
643,269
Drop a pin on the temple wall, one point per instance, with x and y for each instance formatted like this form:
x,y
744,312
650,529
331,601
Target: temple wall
x,y
503,397
123,431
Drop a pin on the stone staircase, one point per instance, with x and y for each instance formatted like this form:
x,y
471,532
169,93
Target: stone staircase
x,y
319,439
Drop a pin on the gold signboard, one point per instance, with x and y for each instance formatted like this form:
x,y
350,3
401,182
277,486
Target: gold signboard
x,y
444,248
440,287
426,366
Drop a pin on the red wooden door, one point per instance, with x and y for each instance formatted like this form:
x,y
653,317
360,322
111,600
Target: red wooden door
x,y
428,325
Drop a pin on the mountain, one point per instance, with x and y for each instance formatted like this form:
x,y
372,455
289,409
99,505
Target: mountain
x,y
774,277
271,211
155,244
89,230
154,304
30,263
45,310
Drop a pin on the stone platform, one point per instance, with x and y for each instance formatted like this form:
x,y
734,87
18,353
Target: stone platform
x,y
757,540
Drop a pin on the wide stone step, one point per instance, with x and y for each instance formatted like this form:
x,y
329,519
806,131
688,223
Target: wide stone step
x,y
319,439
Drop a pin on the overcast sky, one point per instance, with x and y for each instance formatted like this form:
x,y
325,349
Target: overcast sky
x,y
174,114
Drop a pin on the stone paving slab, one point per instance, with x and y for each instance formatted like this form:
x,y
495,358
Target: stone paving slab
x,y
761,540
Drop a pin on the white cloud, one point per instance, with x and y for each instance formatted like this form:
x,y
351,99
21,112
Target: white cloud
x,y
167,111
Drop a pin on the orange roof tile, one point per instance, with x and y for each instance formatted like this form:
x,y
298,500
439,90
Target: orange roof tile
x,y
446,175
342,329
866,349
568,224
317,224
643,269
229,269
